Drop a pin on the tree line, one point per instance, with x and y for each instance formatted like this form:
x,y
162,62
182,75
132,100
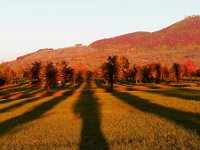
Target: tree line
x,y
114,69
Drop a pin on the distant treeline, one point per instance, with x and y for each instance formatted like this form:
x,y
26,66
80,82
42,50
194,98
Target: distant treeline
x,y
115,68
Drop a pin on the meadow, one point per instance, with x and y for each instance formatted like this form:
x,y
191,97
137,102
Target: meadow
x,y
87,116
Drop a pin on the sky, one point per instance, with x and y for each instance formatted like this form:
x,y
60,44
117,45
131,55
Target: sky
x,y
29,25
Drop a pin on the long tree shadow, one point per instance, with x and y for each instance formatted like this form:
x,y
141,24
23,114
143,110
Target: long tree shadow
x,y
24,87
8,88
188,120
183,93
33,114
24,95
21,103
87,107
19,92
31,93
2,88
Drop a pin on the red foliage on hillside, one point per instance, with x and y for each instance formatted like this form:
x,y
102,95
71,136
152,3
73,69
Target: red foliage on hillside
x,y
183,34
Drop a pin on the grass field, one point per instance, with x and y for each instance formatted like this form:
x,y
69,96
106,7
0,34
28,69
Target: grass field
x,y
85,116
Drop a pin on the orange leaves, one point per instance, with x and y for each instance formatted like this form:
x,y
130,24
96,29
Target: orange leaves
x,y
190,66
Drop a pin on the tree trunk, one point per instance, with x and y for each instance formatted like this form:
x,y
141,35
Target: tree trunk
x,y
74,81
106,82
111,86
177,80
191,79
111,83
126,79
48,89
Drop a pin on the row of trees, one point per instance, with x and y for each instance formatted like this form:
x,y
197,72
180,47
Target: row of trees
x,y
49,74
116,68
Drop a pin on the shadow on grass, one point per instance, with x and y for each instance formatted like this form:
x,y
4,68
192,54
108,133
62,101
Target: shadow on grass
x,y
104,86
87,107
32,91
24,95
10,86
188,120
33,114
183,93
17,88
24,102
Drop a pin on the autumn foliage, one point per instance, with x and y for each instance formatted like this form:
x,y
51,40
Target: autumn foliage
x,y
181,35
6,74
114,69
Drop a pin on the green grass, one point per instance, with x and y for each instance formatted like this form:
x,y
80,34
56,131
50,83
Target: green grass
x,y
75,118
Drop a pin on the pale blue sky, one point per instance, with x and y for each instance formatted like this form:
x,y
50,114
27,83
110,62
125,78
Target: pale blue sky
x,y
28,25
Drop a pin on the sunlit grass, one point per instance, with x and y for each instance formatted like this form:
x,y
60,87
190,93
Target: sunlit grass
x,y
75,118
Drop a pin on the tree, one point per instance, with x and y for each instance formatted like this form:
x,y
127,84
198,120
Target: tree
x,y
97,74
2,79
64,73
177,71
135,73
67,72
35,72
123,67
147,73
90,75
26,73
165,73
80,73
197,73
74,76
189,69
6,74
158,72
50,75
109,70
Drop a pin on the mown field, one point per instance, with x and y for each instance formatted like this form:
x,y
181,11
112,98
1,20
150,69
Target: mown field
x,y
86,116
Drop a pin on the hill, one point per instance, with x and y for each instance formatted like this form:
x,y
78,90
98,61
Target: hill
x,y
181,35
176,43
75,55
